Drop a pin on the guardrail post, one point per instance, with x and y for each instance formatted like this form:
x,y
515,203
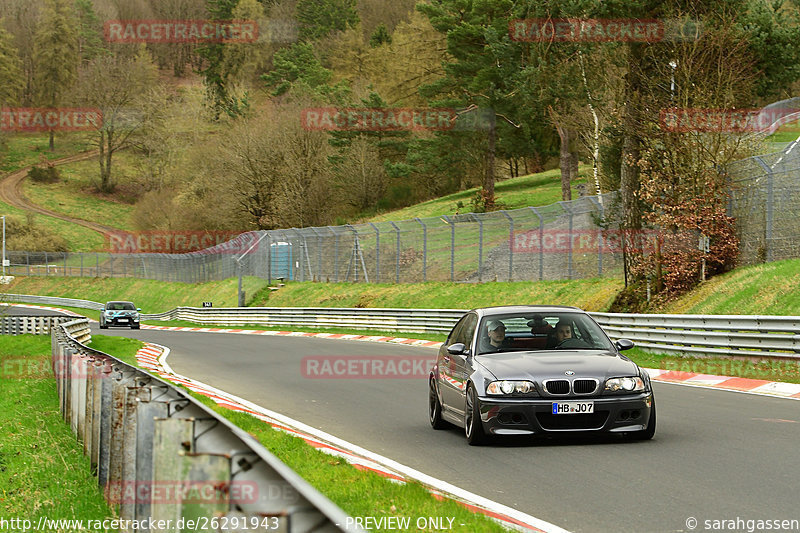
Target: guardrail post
x,y
146,412
172,438
424,250
106,408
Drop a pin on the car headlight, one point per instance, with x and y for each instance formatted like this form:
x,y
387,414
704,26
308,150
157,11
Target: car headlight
x,y
507,387
626,384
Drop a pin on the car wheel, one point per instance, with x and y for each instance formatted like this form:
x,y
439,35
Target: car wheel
x,y
434,407
134,327
472,419
103,325
648,433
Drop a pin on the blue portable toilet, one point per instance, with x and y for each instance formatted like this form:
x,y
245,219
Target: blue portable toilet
x,y
281,260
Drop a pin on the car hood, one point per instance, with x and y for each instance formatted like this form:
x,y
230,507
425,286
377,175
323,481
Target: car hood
x,y
538,366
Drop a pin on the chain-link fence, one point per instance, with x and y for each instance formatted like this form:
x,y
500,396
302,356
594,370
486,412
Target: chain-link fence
x,y
564,240
765,200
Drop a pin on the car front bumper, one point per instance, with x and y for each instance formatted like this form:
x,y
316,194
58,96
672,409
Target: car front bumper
x,y
121,321
530,416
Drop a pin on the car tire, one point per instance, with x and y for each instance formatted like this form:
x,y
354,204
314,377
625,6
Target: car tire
x,y
434,407
103,325
473,429
134,327
648,433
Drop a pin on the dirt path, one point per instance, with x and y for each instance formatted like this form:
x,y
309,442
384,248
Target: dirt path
x,y
11,193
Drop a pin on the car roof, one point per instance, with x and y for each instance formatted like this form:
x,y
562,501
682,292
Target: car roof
x,y
118,302
507,309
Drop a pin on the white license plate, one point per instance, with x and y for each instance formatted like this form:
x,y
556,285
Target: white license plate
x,y
573,408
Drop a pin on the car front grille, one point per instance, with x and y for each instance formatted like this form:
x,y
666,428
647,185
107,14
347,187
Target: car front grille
x,y
557,386
584,386
576,422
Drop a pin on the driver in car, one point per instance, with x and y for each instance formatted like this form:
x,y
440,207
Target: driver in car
x,y
497,337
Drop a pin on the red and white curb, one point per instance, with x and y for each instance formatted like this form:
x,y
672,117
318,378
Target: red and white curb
x,y
342,336
730,383
57,309
153,357
747,385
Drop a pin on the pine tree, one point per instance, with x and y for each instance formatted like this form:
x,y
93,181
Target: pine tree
x,y
55,55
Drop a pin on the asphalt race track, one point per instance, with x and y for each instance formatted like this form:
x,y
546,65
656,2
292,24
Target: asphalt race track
x,y
716,454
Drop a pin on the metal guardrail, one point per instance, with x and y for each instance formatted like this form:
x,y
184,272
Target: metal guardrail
x,y
52,300
692,335
30,325
159,453
384,319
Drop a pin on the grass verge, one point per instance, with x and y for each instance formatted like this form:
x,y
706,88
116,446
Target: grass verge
x,y
589,294
768,289
43,472
542,188
357,492
151,296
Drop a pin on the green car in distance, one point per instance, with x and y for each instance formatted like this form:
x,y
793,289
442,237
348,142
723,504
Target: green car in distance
x,y
119,314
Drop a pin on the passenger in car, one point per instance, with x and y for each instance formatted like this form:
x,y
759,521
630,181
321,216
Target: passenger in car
x,y
562,332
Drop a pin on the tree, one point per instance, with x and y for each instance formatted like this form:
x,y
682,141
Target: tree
x,y
11,80
296,65
117,86
380,36
320,18
245,61
90,44
217,72
55,55
483,69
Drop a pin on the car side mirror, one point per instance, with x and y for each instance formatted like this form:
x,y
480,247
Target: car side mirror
x,y
457,349
624,344
138,308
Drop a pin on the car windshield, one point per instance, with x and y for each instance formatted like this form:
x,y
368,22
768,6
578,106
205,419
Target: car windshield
x,y
120,306
530,331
